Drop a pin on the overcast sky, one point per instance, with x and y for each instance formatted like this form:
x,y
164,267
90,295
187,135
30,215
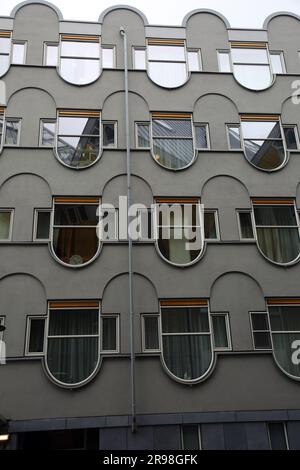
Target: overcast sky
x,y
240,13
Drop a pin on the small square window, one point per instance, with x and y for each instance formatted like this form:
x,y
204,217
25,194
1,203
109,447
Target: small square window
x,y
50,55
221,331
260,330
42,219
109,134
291,137
108,57
139,58
35,336
245,225
6,220
110,333
2,323
211,226
191,437
201,136
234,137
47,133
19,53
12,131
224,61
278,436
142,135
277,62
194,60
150,337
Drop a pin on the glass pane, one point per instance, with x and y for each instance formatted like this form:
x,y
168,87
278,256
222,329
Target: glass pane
x,y
75,245
285,318
143,135
108,134
254,77
5,45
262,340
220,331
73,322
12,132
4,64
246,225
259,321
190,437
286,351
187,357
261,130
275,215
290,138
48,134
139,59
36,337
168,74
51,55
80,71
176,250
265,154
224,62
78,126
281,245
43,225
277,436
78,151
109,334
276,61
210,229
173,153
166,53
185,320
201,137
80,49
194,62
249,56
4,225
151,332
108,57
234,137
18,55
75,214
172,128
72,360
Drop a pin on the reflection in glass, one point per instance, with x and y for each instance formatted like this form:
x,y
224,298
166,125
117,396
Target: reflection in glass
x,y
51,55
5,218
18,54
254,77
80,71
139,59
167,65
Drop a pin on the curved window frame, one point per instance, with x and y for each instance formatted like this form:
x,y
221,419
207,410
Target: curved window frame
x,y
73,201
280,203
183,303
264,118
77,114
178,117
7,35
2,134
70,305
180,202
91,39
263,45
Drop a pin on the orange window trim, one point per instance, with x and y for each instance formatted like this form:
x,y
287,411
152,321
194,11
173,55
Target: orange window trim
x,y
80,37
76,200
165,41
73,304
249,44
175,200
183,302
283,301
259,117
266,202
2,110
78,113
5,34
160,115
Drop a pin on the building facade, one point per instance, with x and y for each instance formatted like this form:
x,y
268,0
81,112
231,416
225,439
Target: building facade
x,y
193,348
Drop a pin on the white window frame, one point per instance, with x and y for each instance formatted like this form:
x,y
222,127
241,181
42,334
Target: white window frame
x,y
49,43
115,124
50,121
228,330
282,60
2,323
23,43
228,137
201,124
28,330
113,48
35,224
199,435
260,331
111,351
19,121
143,330
216,217
153,222
248,211
295,127
139,48
185,62
285,433
11,222
199,56
142,123
224,51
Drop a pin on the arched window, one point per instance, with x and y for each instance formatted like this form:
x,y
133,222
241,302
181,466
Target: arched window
x,y
263,141
167,64
79,58
78,139
251,64
74,239
187,350
173,144
284,316
5,51
277,229
2,128
180,230
73,341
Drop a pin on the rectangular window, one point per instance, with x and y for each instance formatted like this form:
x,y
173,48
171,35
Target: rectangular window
x,y
50,55
109,134
110,333
201,136
167,61
291,137
234,136
42,219
146,224
6,221
2,323
245,225
260,330
194,60
278,436
47,132
224,61
142,134
108,57
221,331
139,58
5,47
191,437
211,225
277,62
150,336
35,336
12,131
19,53
80,58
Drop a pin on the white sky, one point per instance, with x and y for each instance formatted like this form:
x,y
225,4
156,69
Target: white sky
x,y
240,13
